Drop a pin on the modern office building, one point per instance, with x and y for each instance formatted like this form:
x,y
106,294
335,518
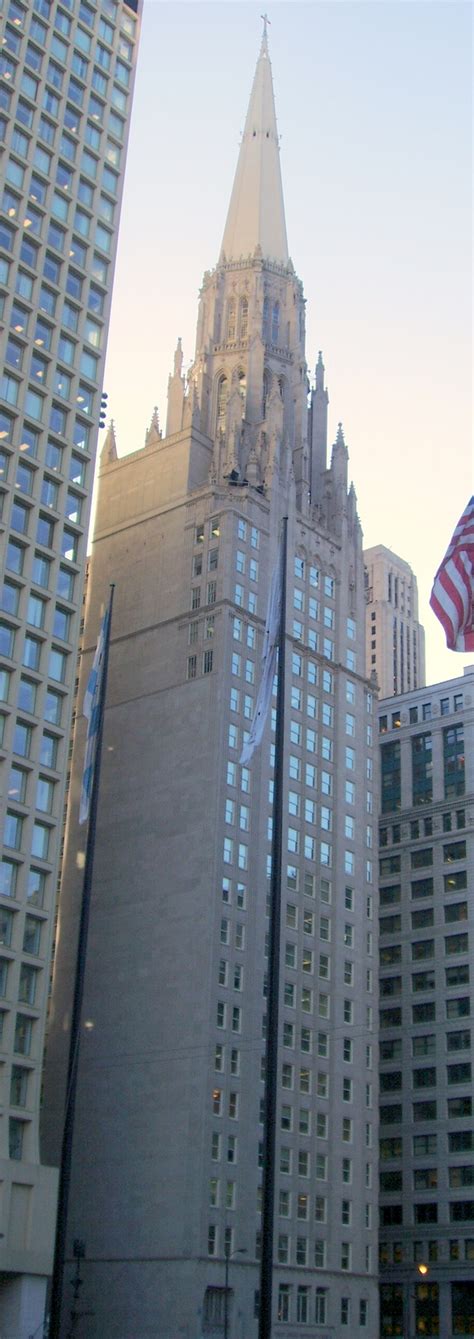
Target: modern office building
x,y
426,1009
67,70
168,1139
394,639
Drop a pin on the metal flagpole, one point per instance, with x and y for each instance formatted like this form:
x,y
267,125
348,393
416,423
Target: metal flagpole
x,y
74,1044
271,1050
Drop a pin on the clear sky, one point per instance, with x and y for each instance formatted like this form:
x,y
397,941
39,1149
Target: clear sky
x,y
373,108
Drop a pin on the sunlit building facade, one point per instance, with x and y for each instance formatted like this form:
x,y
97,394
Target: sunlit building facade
x,y
394,638
426,1009
67,70
168,1149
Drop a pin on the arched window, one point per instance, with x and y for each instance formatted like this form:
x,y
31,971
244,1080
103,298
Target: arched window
x,y
275,322
231,319
267,381
281,388
266,318
243,390
222,390
244,318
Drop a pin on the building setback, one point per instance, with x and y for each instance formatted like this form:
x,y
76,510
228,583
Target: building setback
x,y
65,95
426,1007
167,1157
394,639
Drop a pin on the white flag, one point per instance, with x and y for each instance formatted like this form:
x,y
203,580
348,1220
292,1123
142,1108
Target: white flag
x,y
269,662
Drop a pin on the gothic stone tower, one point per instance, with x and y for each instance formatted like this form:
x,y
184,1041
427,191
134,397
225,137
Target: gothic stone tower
x,y
167,1163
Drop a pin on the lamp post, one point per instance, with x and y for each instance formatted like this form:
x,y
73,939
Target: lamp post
x,y
410,1297
229,1255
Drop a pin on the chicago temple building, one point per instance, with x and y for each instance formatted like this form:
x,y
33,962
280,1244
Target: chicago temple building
x,y
167,1164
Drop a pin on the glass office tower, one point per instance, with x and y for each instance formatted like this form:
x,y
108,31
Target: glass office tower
x,y
67,73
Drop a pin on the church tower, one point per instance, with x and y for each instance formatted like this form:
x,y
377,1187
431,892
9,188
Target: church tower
x,y
167,1156
247,388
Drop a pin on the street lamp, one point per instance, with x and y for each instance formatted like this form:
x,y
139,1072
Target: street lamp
x,y
229,1255
410,1298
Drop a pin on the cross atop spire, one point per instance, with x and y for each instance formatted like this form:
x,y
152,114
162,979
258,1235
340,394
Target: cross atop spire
x,y
256,216
266,20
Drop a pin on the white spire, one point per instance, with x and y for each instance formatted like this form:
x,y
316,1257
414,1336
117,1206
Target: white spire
x,y
256,214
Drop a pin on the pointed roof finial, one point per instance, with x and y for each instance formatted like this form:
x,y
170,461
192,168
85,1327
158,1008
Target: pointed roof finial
x,y
153,433
320,372
256,215
178,359
109,449
340,436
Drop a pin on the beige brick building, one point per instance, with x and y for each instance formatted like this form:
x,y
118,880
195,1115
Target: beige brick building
x,y
394,638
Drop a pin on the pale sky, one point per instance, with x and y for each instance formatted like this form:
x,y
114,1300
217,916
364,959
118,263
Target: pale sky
x,y
373,109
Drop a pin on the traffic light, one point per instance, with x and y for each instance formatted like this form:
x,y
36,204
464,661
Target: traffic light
x,y
103,409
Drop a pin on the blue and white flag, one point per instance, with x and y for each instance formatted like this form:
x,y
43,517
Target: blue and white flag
x,y
92,711
269,662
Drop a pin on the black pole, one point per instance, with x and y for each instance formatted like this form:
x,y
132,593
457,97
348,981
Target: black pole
x,y
74,1043
226,1292
271,1049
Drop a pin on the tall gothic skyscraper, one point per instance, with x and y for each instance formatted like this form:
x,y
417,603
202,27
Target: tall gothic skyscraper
x,y
394,638
66,80
167,1158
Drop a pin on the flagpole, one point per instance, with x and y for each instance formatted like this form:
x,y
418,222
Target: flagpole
x,y
54,1331
271,1049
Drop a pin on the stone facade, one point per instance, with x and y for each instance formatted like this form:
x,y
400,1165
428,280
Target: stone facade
x,y
395,640
167,1160
426,1006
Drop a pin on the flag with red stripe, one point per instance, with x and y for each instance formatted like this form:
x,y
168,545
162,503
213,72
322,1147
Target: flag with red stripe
x,y
93,712
452,597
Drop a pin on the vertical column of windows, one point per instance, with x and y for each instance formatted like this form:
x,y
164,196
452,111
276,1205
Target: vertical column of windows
x,y
48,404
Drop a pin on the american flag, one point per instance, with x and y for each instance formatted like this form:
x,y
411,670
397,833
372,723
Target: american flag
x,y
269,662
92,711
452,597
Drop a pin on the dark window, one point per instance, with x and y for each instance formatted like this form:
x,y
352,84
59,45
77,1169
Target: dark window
x,y
459,1107
424,1013
390,1018
391,777
391,1182
424,1110
462,1211
422,858
422,888
391,1215
426,1213
390,924
459,975
453,758
422,769
454,851
390,894
462,1308
391,1081
391,1115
